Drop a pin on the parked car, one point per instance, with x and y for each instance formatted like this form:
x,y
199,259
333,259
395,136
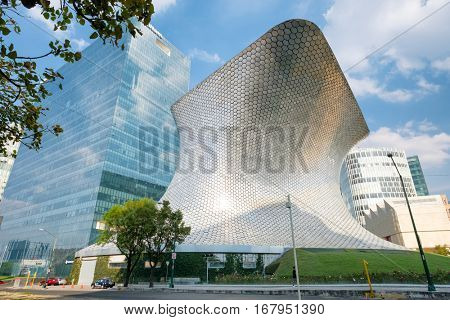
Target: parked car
x,y
103,283
62,281
49,282
2,282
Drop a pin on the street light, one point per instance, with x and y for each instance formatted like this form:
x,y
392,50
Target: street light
x,y
174,255
422,255
167,269
51,258
289,206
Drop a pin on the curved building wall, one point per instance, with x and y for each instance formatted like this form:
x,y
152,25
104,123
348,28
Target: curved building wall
x,y
371,177
276,119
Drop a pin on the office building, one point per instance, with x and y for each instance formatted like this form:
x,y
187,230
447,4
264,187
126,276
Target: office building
x,y
368,176
6,164
120,142
418,176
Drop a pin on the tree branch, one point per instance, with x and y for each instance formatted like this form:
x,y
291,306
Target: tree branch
x,y
39,57
10,80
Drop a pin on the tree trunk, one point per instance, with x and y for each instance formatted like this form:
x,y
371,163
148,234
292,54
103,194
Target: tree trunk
x,y
150,285
127,273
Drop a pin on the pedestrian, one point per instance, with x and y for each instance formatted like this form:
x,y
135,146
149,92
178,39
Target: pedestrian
x,y
294,276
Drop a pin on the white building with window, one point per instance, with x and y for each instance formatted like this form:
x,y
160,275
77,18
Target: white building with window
x,y
368,176
391,221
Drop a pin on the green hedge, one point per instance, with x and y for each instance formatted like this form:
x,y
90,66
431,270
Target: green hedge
x,y
75,271
439,277
187,265
102,270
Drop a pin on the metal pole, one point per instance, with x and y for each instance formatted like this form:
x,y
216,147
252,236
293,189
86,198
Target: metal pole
x,y
167,269
289,206
171,285
431,286
51,256
207,274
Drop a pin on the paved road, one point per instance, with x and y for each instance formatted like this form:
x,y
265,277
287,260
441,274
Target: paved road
x,y
113,294
318,287
225,292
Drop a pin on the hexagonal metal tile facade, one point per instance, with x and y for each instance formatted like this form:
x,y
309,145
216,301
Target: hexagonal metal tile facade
x,y
288,78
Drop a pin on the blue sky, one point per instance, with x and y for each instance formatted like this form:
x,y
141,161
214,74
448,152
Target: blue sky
x,y
402,89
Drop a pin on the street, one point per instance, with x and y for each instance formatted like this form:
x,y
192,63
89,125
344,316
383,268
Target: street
x,y
114,294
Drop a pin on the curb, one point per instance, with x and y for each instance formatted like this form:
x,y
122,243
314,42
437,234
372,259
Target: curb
x,y
318,293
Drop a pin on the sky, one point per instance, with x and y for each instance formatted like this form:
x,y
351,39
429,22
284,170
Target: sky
x,y
402,87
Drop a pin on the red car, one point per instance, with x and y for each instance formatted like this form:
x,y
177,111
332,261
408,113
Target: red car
x,y
50,282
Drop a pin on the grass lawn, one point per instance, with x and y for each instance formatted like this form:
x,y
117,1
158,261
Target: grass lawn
x,y
331,262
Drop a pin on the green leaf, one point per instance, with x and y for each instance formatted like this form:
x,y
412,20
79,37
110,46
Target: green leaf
x,y
94,35
46,15
77,56
5,31
60,86
12,55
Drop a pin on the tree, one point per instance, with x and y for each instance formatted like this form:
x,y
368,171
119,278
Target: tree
x,y
23,87
165,227
260,264
125,226
442,250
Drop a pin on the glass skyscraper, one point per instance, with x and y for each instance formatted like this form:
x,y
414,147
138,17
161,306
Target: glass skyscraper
x,y
6,164
417,176
119,142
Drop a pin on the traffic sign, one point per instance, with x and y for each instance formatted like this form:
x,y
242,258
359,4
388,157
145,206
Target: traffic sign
x,y
174,255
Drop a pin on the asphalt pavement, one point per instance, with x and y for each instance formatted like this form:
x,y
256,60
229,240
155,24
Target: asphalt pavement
x,y
226,292
156,294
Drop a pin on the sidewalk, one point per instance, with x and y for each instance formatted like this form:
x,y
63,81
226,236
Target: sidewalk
x,y
341,290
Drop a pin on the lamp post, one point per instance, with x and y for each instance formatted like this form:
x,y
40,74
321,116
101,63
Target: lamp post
x,y
422,255
171,285
167,269
289,206
51,257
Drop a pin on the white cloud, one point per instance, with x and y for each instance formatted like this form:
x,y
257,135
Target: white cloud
x,y
441,65
163,5
35,14
367,86
356,28
416,139
427,126
204,56
80,44
427,86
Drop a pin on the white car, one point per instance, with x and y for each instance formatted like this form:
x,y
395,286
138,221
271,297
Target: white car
x,y
62,281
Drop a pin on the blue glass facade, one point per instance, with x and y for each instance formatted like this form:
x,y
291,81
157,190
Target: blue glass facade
x,y
417,176
120,142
